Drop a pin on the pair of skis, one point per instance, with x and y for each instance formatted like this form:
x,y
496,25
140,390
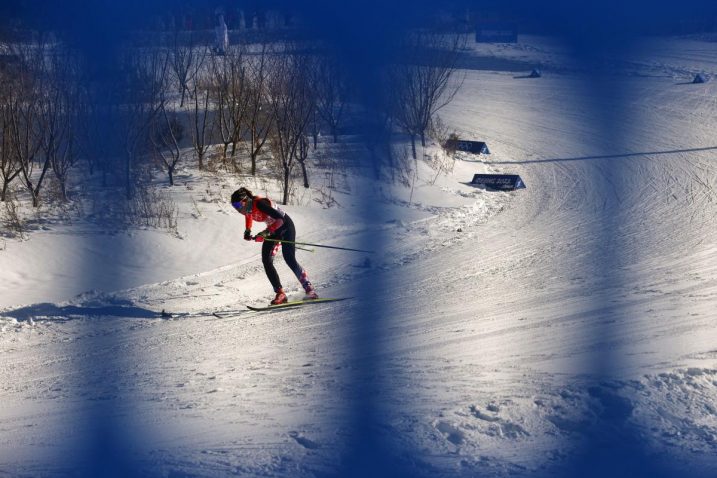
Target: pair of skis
x,y
295,303
221,314
285,305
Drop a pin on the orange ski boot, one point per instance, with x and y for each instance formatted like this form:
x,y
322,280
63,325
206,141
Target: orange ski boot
x,y
280,298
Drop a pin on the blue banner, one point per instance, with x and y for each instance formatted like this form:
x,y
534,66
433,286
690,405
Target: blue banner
x,y
503,182
475,147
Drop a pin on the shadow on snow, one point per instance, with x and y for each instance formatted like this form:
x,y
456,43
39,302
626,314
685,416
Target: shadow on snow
x,y
73,311
608,156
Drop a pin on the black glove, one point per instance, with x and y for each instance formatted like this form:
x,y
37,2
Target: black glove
x,y
262,235
247,235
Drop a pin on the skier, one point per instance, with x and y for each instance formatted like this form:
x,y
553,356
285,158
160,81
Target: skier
x,y
278,226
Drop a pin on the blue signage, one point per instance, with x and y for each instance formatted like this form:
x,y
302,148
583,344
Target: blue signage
x,y
475,147
503,182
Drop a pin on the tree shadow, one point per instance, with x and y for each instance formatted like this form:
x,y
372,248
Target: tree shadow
x,y
608,156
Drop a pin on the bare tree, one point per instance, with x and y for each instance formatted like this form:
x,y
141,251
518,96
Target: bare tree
x,y
202,126
329,80
58,116
230,91
260,119
378,132
218,85
145,75
166,134
292,102
97,123
377,119
421,81
24,111
9,166
182,58
302,155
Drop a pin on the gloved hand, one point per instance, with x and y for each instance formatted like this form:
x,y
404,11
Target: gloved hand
x,y
247,235
261,236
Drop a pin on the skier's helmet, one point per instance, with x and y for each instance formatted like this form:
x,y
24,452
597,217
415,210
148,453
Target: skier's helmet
x,y
240,196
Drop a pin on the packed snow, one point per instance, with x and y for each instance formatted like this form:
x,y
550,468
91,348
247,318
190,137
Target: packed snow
x,y
513,320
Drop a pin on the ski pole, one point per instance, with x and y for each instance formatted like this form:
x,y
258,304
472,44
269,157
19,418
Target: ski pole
x,y
317,245
298,247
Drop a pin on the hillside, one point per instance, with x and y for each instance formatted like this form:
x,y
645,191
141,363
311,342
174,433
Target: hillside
x,y
494,333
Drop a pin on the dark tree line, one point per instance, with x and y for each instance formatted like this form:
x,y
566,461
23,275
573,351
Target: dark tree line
x,y
166,103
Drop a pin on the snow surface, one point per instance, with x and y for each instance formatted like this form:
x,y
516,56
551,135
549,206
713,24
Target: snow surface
x,y
512,320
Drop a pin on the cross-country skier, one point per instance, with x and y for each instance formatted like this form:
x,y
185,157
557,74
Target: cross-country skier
x,y
278,226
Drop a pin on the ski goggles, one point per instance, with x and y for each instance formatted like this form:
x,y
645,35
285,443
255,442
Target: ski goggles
x,y
241,205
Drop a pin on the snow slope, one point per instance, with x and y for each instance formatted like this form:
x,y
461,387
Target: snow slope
x,y
512,323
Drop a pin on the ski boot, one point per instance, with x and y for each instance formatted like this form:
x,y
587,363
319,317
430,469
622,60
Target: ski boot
x,y
311,294
280,298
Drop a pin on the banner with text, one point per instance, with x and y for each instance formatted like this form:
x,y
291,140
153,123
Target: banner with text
x,y
503,182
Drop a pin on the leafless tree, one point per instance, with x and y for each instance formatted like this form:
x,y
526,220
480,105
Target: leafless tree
x,y
166,135
220,88
260,119
420,81
378,133
292,102
145,80
329,80
202,126
230,89
302,155
377,119
96,138
182,58
9,166
58,114
24,111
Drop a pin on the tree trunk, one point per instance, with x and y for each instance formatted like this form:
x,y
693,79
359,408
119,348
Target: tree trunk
x,y
170,170
253,150
63,189
6,184
286,186
413,146
303,171
303,154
